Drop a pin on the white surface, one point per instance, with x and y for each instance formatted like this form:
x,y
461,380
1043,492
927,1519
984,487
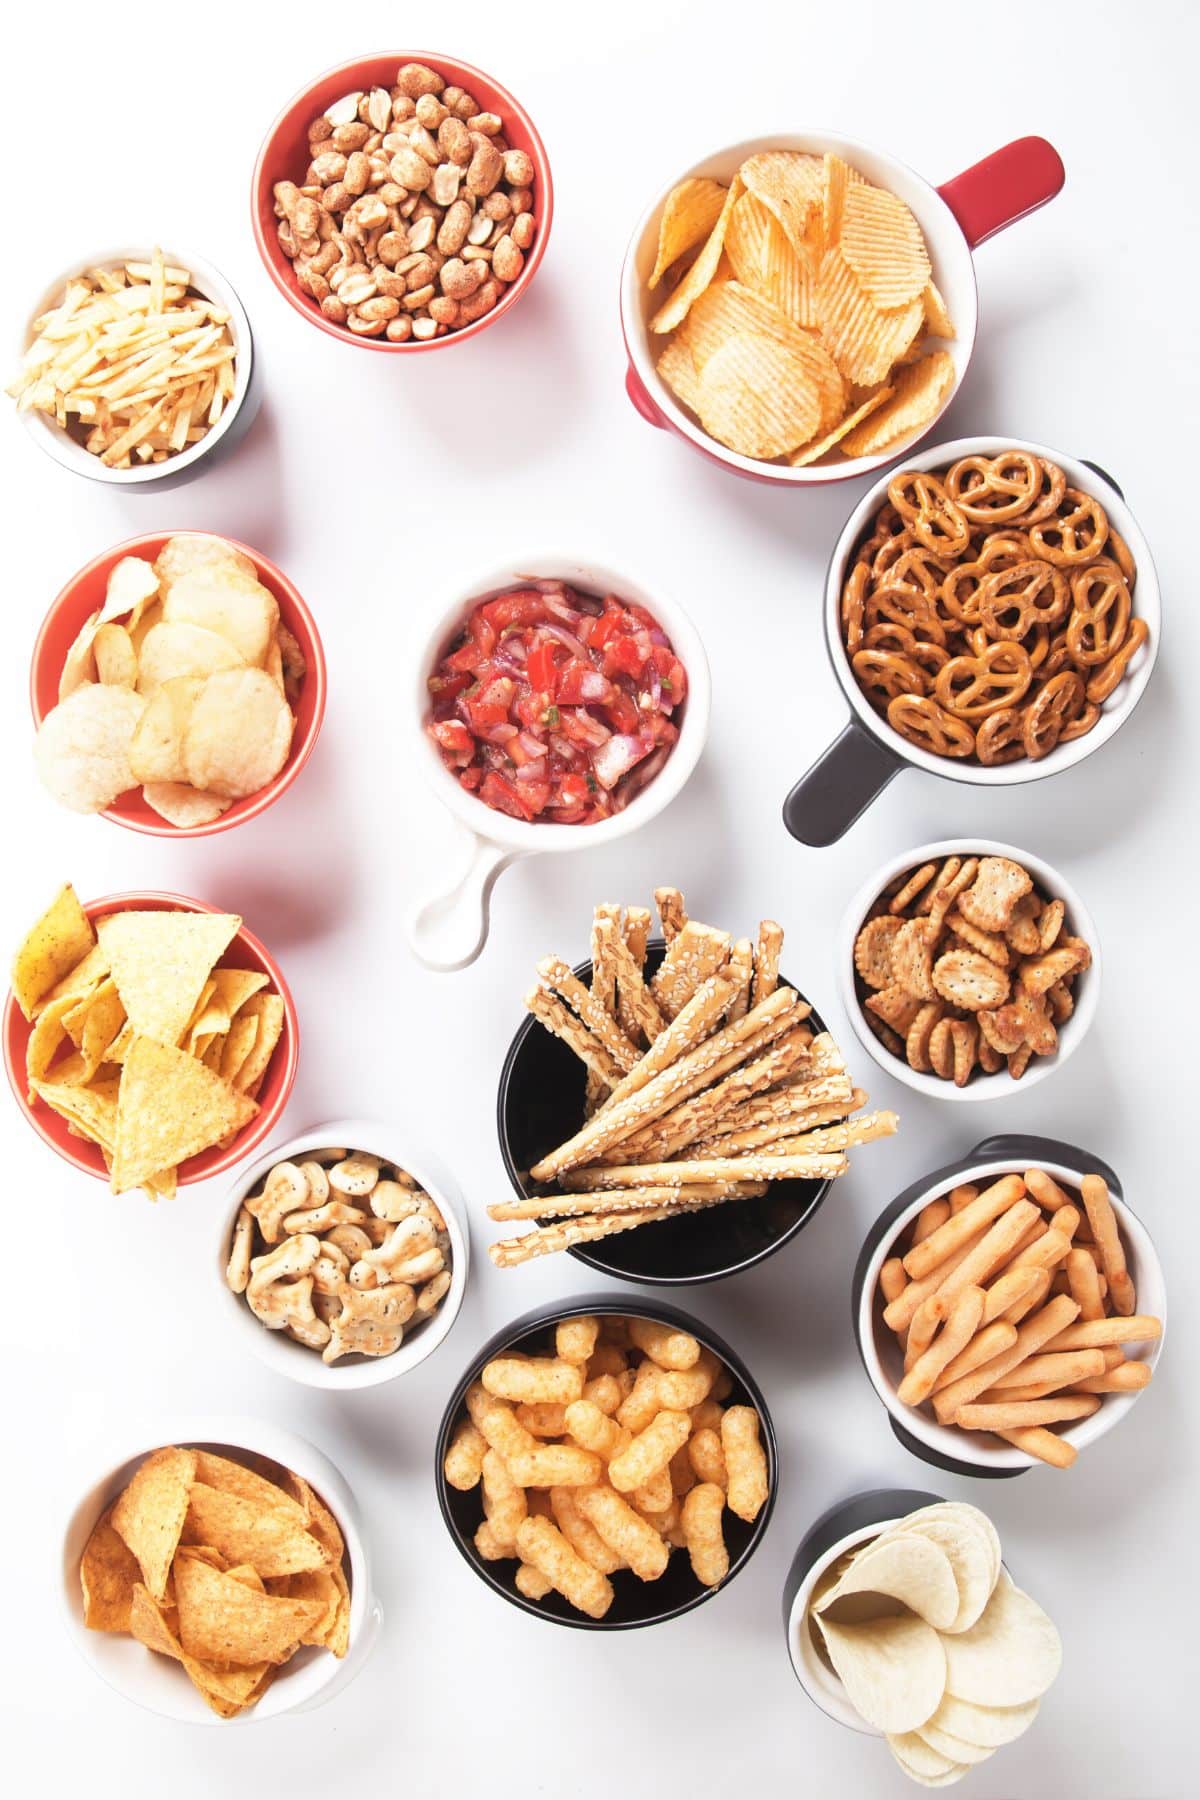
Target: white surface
x,y
371,483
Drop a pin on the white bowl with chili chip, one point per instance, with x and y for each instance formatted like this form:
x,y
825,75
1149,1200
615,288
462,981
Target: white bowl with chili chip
x,y
237,389
390,1144
979,1452
448,930
312,1676
1050,885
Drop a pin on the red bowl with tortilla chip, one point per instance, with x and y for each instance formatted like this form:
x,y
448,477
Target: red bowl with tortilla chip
x,y
245,952
84,595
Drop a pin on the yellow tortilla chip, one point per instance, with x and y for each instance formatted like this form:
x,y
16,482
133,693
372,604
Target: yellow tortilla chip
x,y
170,1107
108,1573
222,1620
235,1478
269,1011
98,1020
58,943
328,1586
149,1514
160,962
228,1691
78,982
226,992
47,1038
238,1042
275,1542
90,1110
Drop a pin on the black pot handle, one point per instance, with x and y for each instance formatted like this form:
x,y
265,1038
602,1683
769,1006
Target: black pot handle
x,y
1104,475
1020,1147
841,784
949,1464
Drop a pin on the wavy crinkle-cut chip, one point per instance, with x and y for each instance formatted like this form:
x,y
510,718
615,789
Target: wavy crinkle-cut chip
x,y
170,1107
740,309
765,260
967,979
921,390
873,950
758,397
882,243
190,550
175,650
863,339
893,1669
238,734
690,212
789,183
82,748
676,307
938,322
160,962
836,177
676,368
149,1514
54,952
1010,1656
182,805
992,898
811,453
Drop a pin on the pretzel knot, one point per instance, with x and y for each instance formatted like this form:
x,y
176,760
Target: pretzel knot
x,y
1012,601
1100,620
1049,712
1075,533
907,606
924,723
999,739
991,490
1107,678
929,512
888,673
971,687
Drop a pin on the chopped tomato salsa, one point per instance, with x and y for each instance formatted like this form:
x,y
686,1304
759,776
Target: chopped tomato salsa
x,y
556,704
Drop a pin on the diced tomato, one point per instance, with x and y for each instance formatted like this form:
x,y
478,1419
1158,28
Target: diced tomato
x,y
448,687
524,606
623,657
540,669
622,711
504,795
581,685
454,737
671,674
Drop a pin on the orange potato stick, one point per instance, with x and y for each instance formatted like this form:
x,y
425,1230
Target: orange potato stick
x,y
929,1219
962,1196
1033,1335
960,1327
992,1252
899,1313
929,1315
892,1279
1046,1374
1004,1194
544,1547
1094,1334
1083,1280
1128,1378
1050,1248
1035,1440
990,1342
1014,1414
1031,1300
1103,1221
1008,1288
1045,1190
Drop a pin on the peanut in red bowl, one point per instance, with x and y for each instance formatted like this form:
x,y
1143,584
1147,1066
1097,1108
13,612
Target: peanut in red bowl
x,y
285,156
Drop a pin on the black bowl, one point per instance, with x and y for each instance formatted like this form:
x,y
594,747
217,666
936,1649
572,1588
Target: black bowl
x,y
541,1103
635,1602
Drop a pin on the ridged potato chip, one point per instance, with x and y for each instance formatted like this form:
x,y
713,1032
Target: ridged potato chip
x,y
811,453
675,309
182,805
789,183
732,309
919,391
238,734
175,649
82,748
938,322
691,211
677,369
156,751
757,397
764,260
882,243
863,340
222,599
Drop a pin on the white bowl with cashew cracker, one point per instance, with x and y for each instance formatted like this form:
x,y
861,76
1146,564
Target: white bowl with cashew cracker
x,y
343,1255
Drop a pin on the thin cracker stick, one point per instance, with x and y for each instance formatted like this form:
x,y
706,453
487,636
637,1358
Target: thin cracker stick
x,y
962,1322
702,1115
836,1136
545,1239
634,999
1035,1440
962,1196
992,1341
604,987
1103,1221
1018,1413
1128,1378
636,935
553,1206
1003,1194
992,1252
683,1174
741,964
1046,1374
1098,1334
671,911
550,1012
1033,1335
1045,1190
830,1114
1009,1287
698,952
892,1279
1030,1301
767,951
929,1315
558,978
898,1313
788,1104
687,1030
930,1219
1083,1281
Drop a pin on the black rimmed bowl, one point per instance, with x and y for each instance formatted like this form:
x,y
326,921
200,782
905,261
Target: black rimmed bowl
x,y
979,1453
635,1602
541,1103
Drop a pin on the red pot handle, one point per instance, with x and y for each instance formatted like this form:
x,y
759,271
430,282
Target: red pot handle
x,y
1004,187
635,387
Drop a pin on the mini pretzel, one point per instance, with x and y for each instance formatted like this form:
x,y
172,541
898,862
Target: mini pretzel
x,y
1012,601
999,739
924,723
1100,620
971,687
1106,679
1054,486
993,490
1051,709
906,605
1074,533
853,598
885,673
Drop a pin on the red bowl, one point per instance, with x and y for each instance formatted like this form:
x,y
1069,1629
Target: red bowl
x,y
245,951
84,594
285,156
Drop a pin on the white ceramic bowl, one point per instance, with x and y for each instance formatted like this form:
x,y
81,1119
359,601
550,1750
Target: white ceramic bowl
x,y
313,1676
1078,922
449,930
281,1352
811,1670
979,1451
954,218
230,428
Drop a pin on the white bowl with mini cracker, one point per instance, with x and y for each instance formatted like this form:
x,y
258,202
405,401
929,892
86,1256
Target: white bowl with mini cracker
x,y
391,1144
979,1451
312,1676
1084,994
219,378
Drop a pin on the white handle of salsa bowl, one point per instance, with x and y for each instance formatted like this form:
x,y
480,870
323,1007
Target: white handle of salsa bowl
x,y
448,930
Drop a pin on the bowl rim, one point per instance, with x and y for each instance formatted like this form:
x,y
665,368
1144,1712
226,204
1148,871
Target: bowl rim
x,y
119,1453
605,1305
464,74
214,286
295,1362
1000,1086
251,1135
253,805
947,1443
950,243
1113,712
588,1254
493,827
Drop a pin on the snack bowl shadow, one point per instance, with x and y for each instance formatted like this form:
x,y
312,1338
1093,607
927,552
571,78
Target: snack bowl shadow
x,y
635,1602
285,155
953,218
868,753
1078,922
392,1143
449,930
245,951
979,1453
540,1104
220,440
313,1676
842,1528
84,595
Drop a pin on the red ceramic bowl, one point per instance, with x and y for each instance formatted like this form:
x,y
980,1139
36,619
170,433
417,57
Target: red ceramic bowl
x,y
244,952
84,593
285,156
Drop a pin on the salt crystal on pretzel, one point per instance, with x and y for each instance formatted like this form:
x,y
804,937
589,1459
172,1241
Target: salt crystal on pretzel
x,y
698,952
550,1012
546,1239
766,959
671,911
559,978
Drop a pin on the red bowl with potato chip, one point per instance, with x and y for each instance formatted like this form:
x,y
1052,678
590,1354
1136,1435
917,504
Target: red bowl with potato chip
x,y
84,594
285,156
244,951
